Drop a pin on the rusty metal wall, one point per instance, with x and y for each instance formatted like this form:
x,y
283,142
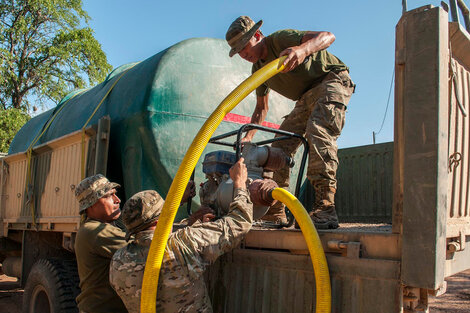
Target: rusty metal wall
x,y
265,281
365,177
458,202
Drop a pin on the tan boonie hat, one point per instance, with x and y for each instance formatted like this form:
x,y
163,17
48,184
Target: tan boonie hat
x,y
91,189
240,32
141,211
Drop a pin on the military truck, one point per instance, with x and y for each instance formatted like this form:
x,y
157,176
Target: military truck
x,y
404,206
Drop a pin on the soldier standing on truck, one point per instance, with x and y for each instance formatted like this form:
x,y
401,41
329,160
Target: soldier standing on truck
x,y
97,240
189,251
320,84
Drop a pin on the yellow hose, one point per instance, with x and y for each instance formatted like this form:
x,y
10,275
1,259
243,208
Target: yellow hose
x,y
322,276
175,194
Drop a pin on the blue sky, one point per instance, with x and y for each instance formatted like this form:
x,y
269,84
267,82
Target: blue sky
x,y
131,31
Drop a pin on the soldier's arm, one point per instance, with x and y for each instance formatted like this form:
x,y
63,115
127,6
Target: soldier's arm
x,y
312,41
210,240
259,115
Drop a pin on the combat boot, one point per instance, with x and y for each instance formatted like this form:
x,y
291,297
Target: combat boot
x,y
276,214
324,214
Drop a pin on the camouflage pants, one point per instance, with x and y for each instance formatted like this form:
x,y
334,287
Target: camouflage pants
x,y
320,116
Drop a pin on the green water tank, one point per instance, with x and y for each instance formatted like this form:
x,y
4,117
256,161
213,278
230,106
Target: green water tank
x,y
156,109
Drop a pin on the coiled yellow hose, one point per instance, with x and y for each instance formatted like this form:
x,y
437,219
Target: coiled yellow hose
x,y
322,276
175,194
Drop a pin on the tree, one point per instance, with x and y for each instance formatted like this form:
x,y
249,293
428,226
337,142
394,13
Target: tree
x,y
11,120
45,53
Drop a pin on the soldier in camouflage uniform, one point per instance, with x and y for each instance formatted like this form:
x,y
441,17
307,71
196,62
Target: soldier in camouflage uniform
x,y
181,287
97,239
320,84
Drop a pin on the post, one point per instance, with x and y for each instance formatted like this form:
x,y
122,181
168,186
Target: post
x,y
454,11
102,145
420,156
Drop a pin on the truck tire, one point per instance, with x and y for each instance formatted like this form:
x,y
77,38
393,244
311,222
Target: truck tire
x,y
51,287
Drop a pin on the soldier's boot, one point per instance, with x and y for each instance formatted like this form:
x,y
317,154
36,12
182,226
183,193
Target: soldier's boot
x,y
276,214
324,214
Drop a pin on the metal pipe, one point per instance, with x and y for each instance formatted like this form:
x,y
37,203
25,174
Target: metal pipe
x,y
466,14
454,13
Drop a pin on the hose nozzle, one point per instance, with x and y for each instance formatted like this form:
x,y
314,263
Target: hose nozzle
x,y
261,192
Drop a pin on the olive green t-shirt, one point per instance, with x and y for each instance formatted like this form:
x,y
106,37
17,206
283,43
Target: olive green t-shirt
x,y
295,83
95,245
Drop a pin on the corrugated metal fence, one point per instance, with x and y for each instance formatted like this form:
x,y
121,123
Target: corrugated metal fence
x,y
365,177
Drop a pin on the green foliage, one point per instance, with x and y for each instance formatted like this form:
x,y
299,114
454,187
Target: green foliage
x,y
11,120
45,53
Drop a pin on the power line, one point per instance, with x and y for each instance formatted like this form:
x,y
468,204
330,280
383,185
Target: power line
x,y
386,108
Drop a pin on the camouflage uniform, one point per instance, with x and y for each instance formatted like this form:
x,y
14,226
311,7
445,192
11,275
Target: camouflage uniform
x,y
320,115
322,88
181,287
95,244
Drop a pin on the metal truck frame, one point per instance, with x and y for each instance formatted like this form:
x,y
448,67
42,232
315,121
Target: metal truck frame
x,y
389,267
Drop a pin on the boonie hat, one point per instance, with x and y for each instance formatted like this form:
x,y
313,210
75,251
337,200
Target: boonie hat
x,y
91,189
240,32
141,211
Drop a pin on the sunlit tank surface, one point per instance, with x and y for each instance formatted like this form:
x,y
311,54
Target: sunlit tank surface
x,y
156,109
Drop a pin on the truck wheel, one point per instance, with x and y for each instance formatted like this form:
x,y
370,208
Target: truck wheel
x,y
51,287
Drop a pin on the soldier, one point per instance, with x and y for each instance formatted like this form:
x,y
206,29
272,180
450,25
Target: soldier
x,y
181,286
97,240
320,84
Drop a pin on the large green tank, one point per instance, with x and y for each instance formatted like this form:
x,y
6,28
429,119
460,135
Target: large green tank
x,y
156,109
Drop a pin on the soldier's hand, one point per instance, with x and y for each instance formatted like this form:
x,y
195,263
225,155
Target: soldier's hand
x,y
239,174
189,192
204,214
246,139
295,56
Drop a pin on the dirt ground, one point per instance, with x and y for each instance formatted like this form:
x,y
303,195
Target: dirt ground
x,y
455,300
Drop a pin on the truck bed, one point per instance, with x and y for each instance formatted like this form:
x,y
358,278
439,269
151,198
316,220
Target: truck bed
x,y
368,240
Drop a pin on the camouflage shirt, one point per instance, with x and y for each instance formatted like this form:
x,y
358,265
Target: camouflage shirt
x,y
95,244
307,75
181,287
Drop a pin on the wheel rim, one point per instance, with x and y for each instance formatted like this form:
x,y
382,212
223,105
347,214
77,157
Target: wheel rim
x,y
40,301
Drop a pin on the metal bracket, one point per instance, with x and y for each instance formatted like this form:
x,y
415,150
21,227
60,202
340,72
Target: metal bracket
x,y
68,241
349,249
439,291
457,244
415,300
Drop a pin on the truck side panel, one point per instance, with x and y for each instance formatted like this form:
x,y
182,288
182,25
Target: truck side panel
x,y
268,281
55,170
